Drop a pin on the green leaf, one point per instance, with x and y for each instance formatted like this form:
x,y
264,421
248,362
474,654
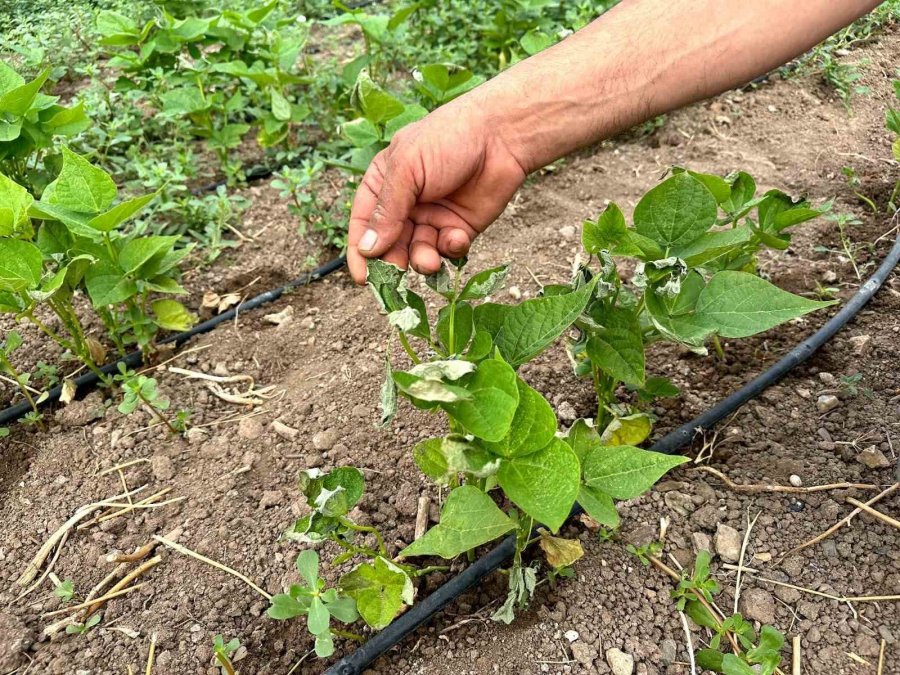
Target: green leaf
x,y
341,608
543,484
9,78
469,518
80,187
308,565
107,286
463,327
376,104
441,459
738,304
120,213
484,283
685,328
523,331
172,315
138,251
380,589
14,204
281,107
532,427
732,665
335,493
411,113
489,411
709,659
582,438
599,506
535,41
387,283
318,619
710,246
624,472
388,395
18,101
604,233
20,265
429,390
286,607
676,212
617,347
324,644
69,121
361,132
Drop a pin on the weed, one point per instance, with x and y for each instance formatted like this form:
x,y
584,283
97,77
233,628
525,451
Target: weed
x,y
140,390
82,628
65,590
850,386
646,551
223,651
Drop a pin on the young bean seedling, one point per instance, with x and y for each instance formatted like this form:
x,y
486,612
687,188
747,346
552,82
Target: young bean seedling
x,y
223,651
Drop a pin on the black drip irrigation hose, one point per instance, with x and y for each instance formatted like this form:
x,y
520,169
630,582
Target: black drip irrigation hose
x,y
423,611
135,358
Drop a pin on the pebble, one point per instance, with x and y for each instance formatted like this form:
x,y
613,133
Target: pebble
x,y
668,652
827,379
270,498
566,412
873,458
571,635
324,440
195,436
584,654
728,543
162,467
360,410
680,503
250,428
830,276
759,605
620,662
514,292
795,480
284,430
861,344
827,402
701,542
567,231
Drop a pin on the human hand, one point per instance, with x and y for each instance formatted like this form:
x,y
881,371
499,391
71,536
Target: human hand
x,y
437,186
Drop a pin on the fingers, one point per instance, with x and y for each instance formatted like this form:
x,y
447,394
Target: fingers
x,y
397,193
423,252
455,235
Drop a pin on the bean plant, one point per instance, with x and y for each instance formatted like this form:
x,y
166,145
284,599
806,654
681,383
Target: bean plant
x,y
694,246
29,122
72,240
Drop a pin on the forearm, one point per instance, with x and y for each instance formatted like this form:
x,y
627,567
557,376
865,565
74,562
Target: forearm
x,y
644,58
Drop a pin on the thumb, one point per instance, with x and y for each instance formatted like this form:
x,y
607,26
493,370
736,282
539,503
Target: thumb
x,y
396,199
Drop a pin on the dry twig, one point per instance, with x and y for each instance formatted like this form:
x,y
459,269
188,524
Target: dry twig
x,y
790,489
893,522
82,605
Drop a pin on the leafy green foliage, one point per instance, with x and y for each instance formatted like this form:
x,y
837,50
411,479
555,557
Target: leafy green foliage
x,y
30,121
694,243
65,591
82,628
223,651
312,600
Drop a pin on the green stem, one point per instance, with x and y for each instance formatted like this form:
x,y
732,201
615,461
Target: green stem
x,y
368,530
8,366
347,635
158,414
720,352
408,348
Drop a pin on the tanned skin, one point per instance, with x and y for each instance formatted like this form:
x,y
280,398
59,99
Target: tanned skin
x,y
445,178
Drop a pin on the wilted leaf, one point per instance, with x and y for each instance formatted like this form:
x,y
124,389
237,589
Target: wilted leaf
x,y
558,551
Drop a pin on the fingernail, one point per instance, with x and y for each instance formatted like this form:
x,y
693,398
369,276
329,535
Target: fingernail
x,y
368,241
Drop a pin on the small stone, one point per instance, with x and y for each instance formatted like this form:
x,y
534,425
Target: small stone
x,y
162,467
668,652
571,635
862,344
827,379
795,480
270,498
873,458
620,662
360,411
701,542
584,654
566,412
514,292
827,402
284,430
567,231
803,392
250,428
308,323
759,605
220,369
728,543
679,502
324,440
830,276
772,108
196,436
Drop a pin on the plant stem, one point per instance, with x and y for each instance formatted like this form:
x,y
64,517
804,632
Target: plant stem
x,y
225,662
368,530
157,413
408,348
347,635
8,366
718,347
